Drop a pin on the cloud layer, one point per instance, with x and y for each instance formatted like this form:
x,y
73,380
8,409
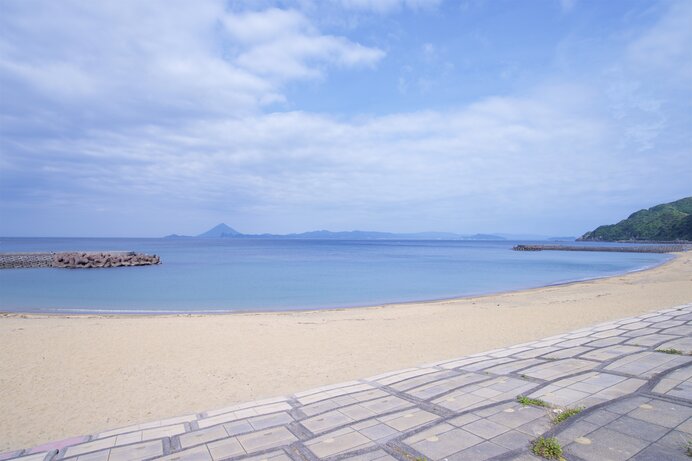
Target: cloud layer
x,y
133,118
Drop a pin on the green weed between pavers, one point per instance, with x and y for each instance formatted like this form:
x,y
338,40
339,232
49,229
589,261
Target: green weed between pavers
x,y
524,400
566,413
671,350
548,448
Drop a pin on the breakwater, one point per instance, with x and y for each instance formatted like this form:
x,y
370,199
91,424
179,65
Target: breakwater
x,y
619,249
77,260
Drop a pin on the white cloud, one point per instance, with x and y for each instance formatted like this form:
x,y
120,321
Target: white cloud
x,y
388,6
161,58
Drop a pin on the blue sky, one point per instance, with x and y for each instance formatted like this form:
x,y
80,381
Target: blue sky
x,y
143,118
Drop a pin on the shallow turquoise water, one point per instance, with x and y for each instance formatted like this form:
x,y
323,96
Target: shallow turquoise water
x,y
257,275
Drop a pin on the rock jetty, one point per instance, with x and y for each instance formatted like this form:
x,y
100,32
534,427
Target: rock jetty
x,y
77,260
619,249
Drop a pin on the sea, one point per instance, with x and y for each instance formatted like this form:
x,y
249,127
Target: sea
x,y
247,275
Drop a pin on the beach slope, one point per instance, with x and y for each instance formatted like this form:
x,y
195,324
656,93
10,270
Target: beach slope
x,y
70,375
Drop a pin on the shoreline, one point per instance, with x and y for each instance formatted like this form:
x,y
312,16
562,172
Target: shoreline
x,y
68,375
152,313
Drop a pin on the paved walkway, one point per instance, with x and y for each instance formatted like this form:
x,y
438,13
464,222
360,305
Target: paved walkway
x,y
637,405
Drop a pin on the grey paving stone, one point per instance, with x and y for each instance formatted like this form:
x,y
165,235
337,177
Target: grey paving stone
x,y
407,420
379,432
326,421
95,445
576,431
485,428
267,438
278,455
518,416
656,452
552,370
420,380
480,452
651,340
602,417
437,447
238,427
137,452
568,352
638,428
341,441
262,422
674,441
606,444
663,413
513,440
682,344
432,390
225,448
612,352
377,455
647,364
202,436
193,454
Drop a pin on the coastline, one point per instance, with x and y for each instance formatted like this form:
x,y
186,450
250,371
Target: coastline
x,y
67,374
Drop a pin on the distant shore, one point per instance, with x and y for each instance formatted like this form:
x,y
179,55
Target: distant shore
x,y
66,375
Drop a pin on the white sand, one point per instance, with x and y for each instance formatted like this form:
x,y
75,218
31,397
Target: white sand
x,y
63,376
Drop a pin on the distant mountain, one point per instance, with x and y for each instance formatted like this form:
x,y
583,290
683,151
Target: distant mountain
x,y
224,231
665,222
220,231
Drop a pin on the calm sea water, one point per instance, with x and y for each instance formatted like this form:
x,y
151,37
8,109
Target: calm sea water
x,y
257,275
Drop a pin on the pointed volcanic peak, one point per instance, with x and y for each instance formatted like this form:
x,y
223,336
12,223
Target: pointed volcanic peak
x,y
220,231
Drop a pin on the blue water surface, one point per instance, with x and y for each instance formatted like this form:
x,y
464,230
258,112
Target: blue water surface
x,y
199,275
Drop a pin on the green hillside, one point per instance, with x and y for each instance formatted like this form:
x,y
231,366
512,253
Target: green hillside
x,y
669,221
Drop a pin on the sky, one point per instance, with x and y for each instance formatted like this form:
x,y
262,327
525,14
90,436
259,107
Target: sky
x,y
130,118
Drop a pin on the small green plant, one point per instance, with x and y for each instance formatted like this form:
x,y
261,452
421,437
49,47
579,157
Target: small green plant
x,y
689,448
670,350
566,413
548,448
524,400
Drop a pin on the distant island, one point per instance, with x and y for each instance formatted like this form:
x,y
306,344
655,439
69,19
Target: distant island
x,y
665,222
224,231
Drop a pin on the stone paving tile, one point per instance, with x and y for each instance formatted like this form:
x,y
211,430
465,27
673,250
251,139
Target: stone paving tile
x,y
611,352
421,380
557,368
677,384
605,444
33,457
647,364
484,393
377,455
337,442
651,340
406,375
316,397
271,456
200,453
243,413
442,441
225,448
154,424
265,439
431,390
587,389
202,436
683,344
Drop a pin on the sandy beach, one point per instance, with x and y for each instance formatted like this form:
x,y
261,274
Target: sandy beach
x,y
63,376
